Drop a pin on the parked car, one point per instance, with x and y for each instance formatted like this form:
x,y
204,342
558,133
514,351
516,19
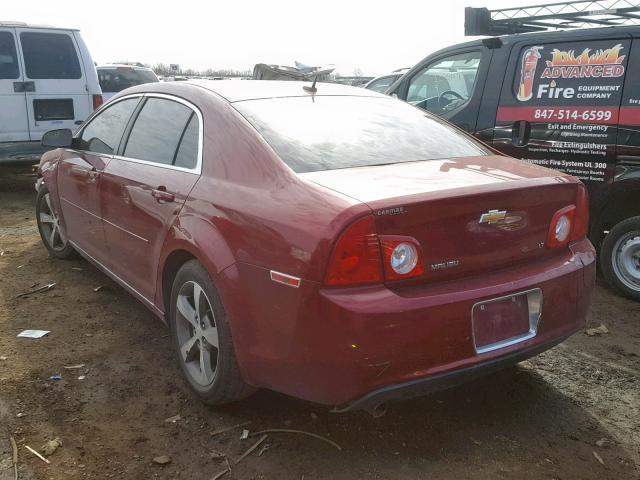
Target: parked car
x,y
383,82
333,244
116,77
567,100
47,80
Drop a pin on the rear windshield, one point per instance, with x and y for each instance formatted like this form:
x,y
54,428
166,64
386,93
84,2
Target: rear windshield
x,y
331,132
117,79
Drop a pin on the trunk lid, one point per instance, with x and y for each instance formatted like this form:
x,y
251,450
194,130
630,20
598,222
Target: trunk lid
x,y
469,214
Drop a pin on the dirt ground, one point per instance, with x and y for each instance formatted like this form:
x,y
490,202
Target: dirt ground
x,y
544,419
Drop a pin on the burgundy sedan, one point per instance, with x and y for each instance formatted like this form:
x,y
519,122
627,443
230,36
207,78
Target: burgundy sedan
x,y
337,245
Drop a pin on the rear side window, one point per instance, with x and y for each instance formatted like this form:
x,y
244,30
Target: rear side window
x,y
327,133
49,55
382,84
162,127
104,132
119,78
8,57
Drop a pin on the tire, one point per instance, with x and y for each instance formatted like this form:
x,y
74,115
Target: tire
x,y
51,231
195,332
620,257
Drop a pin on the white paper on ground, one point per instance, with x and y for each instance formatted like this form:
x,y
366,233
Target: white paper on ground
x,y
33,333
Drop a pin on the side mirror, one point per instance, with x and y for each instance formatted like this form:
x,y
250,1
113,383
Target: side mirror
x,y
62,137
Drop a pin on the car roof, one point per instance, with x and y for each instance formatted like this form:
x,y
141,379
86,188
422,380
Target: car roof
x,y
11,24
123,65
241,90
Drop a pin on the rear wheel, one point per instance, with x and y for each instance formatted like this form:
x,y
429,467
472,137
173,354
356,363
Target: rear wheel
x,y
202,338
51,231
620,257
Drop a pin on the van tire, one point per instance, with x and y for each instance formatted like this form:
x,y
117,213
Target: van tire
x,y
620,257
224,383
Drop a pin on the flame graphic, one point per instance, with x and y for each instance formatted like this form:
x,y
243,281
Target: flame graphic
x,y
610,56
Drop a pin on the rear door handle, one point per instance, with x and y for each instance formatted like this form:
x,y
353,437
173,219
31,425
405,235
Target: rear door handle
x,y
162,196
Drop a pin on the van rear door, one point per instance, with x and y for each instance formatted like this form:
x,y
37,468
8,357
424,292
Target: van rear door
x,y
14,126
56,87
560,103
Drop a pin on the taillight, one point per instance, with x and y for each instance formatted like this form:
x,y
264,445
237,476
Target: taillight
x,y
401,257
97,101
570,223
356,256
361,257
581,220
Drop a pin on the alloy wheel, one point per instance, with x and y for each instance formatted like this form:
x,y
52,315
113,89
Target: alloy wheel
x,y
197,333
50,225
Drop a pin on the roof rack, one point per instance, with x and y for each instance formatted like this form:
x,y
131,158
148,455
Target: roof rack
x,y
536,18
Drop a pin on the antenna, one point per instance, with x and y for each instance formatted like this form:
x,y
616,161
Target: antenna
x,y
312,88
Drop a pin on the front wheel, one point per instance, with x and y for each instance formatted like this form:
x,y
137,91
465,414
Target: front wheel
x,y
51,231
620,257
202,338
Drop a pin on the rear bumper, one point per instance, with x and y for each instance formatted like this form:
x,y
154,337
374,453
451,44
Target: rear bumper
x,y
363,345
20,153
425,386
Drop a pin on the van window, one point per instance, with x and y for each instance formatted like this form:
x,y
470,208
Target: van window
x,y
446,84
104,131
330,132
157,131
49,55
8,57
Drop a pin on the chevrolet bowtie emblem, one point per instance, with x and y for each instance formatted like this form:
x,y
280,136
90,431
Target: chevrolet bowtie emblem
x,y
493,216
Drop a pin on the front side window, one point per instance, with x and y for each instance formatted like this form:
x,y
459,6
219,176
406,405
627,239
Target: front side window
x,y
8,57
159,130
332,132
49,56
446,84
104,132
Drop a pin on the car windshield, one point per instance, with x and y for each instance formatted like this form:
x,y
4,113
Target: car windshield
x,y
117,79
330,132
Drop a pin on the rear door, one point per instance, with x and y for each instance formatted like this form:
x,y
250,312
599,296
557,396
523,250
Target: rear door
x,y
14,126
560,103
144,187
55,84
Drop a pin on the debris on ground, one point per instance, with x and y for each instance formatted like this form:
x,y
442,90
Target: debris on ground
x,y
162,460
592,332
228,429
250,449
244,435
74,367
301,432
33,333
3,358
14,449
598,457
50,447
603,443
264,448
55,377
98,288
174,419
44,288
36,454
20,414
82,377
220,474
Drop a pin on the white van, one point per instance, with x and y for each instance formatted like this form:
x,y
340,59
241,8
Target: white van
x,y
114,78
47,81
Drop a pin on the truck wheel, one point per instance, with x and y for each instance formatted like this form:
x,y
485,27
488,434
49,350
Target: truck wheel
x,y
620,257
202,338
52,233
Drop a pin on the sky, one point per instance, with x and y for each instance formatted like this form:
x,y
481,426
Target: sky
x,y
373,37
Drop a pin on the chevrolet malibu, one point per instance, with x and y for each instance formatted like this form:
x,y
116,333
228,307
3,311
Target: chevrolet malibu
x,y
324,241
